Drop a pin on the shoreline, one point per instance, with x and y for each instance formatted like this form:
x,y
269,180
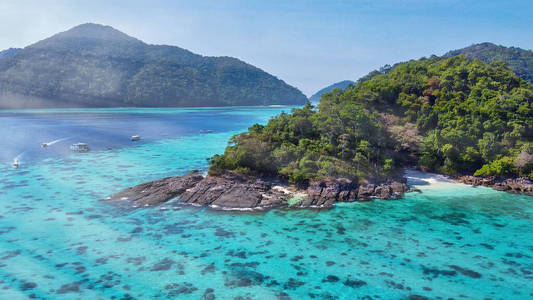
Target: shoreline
x,y
518,185
232,191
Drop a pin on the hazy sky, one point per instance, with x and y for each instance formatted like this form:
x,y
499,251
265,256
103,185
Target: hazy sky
x,y
308,44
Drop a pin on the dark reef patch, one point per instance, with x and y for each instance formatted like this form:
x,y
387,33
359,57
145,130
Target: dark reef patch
x,y
163,265
331,278
69,288
354,283
466,272
436,272
224,233
292,284
28,286
176,289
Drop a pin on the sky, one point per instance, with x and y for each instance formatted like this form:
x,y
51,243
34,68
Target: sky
x,y
308,44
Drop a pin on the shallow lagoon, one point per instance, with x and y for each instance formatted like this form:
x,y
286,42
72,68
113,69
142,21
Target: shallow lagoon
x,y
57,241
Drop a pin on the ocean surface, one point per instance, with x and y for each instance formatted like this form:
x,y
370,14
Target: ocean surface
x,y
58,241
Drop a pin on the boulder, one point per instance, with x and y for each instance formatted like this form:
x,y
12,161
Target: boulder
x,y
366,191
383,191
325,192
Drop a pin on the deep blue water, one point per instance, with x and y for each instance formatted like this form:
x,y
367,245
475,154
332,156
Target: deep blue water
x,y
58,241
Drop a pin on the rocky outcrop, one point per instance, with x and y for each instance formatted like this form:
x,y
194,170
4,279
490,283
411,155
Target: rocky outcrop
x,y
155,192
324,193
512,185
233,191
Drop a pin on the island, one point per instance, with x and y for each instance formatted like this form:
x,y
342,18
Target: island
x,y
454,116
93,65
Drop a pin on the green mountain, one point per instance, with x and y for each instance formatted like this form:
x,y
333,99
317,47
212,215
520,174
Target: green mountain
x,y
339,85
451,115
519,60
97,66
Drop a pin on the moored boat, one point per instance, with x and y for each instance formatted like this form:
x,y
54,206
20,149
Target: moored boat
x,y
80,147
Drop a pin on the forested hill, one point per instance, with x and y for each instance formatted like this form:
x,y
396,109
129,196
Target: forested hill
x,y
98,66
519,60
450,115
339,85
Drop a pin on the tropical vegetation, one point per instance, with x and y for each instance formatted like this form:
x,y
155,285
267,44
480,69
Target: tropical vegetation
x,y
519,60
450,115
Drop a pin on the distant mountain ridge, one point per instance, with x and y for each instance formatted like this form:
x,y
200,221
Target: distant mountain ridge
x,y
338,85
9,52
519,60
94,65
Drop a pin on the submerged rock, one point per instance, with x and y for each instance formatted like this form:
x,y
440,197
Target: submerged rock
x,y
234,191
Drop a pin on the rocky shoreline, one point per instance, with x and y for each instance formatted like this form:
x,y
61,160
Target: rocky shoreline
x,y
511,185
233,191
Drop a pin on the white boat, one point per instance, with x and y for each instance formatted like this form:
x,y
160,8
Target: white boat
x,y
206,131
44,145
135,137
80,147
16,163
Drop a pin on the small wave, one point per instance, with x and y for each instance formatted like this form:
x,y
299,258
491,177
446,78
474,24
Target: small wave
x,y
423,178
214,206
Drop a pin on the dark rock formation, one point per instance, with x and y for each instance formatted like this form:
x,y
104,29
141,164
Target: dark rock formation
x,y
512,185
233,191
158,191
324,193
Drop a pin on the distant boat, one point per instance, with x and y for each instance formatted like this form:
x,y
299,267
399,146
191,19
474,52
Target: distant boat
x,y
206,131
16,161
135,137
80,147
44,145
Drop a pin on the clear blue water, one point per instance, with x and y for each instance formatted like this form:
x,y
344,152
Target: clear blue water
x,y
57,241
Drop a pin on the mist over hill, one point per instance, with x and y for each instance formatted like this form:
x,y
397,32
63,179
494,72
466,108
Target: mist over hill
x,y
93,65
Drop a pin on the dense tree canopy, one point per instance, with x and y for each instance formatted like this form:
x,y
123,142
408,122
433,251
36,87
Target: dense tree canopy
x,y
519,60
449,115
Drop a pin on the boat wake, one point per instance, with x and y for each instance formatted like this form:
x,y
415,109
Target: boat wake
x,y
53,142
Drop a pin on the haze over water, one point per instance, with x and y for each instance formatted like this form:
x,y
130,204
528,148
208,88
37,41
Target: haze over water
x,y
57,241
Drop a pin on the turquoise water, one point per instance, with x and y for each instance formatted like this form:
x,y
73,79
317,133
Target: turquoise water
x,y
57,241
